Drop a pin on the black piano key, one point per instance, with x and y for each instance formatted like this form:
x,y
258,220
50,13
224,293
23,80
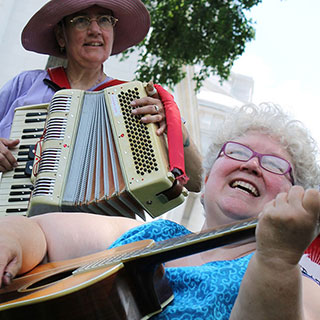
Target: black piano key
x,y
23,153
32,130
35,114
19,193
18,199
20,159
29,153
16,210
33,120
19,170
20,176
31,136
24,146
22,186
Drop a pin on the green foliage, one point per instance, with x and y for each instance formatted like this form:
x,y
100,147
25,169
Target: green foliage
x,y
211,34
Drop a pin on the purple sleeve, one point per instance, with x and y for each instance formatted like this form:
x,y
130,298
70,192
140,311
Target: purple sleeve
x,y
25,89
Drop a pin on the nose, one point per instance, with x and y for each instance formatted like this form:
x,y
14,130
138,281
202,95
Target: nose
x,y
94,27
252,166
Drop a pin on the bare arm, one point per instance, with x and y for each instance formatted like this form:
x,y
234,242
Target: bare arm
x,y
273,288
72,235
24,242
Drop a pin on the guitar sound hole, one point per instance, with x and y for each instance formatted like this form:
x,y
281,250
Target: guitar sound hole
x,y
50,280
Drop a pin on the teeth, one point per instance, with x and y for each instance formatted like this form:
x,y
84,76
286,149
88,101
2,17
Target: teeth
x,y
95,44
244,186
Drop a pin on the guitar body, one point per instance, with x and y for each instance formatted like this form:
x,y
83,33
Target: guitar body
x,y
53,291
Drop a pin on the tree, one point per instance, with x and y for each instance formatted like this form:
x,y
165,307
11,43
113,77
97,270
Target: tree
x,y
211,34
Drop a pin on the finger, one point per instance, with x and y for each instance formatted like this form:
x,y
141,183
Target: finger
x,y
5,164
11,270
148,109
281,199
162,128
156,108
145,101
152,118
12,143
151,90
7,160
311,202
6,278
6,144
295,195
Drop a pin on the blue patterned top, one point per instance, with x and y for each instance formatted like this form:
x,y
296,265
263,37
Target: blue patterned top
x,y
201,292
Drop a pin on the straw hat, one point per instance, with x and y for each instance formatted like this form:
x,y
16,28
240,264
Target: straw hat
x,y
132,26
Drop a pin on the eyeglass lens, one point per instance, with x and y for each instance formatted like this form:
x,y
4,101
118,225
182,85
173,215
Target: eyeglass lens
x,y
83,22
269,162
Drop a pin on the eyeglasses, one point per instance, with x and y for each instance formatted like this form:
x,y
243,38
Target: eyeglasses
x,y
268,162
82,23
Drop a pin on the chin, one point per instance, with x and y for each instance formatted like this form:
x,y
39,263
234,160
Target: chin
x,y
237,213
243,216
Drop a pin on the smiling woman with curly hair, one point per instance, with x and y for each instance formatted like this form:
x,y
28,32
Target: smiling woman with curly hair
x,y
253,169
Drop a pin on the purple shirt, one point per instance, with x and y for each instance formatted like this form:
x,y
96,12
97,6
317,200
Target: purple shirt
x,y
27,88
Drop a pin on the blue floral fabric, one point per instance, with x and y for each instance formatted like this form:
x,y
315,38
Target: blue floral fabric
x,y
202,292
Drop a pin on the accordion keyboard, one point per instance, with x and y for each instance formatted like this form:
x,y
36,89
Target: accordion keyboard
x,y
16,185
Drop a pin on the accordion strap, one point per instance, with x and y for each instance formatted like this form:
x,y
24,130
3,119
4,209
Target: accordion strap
x,y
59,80
174,134
58,76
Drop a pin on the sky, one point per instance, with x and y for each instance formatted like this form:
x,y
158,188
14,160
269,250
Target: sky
x,y
284,58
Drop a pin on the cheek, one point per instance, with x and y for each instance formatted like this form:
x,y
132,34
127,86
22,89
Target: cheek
x,y
108,38
216,179
74,39
222,168
277,185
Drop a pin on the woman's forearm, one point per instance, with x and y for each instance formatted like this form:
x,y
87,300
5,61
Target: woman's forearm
x,y
270,290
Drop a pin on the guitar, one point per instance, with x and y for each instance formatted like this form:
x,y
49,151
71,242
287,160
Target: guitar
x,y
127,282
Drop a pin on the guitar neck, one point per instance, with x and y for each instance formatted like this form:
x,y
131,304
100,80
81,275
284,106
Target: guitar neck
x,y
175,248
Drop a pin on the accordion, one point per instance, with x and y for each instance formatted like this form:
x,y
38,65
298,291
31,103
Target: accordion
x,y
95,156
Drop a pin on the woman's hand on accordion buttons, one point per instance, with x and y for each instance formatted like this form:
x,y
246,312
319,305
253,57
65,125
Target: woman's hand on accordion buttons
x,y
151,110
7,160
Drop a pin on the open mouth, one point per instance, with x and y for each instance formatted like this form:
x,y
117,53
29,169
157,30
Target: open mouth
x,y
245,187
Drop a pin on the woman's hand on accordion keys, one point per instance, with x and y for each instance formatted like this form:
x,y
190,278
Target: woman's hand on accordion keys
x,y
7,160
151,110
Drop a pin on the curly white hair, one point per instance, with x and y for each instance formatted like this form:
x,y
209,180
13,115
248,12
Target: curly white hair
x,y
273,121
